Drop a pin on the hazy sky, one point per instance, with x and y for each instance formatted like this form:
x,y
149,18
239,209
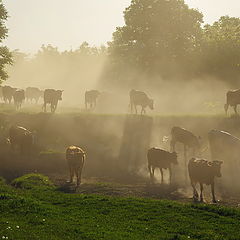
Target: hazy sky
x,y
67,23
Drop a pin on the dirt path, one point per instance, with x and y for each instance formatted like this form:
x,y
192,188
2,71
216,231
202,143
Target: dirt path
x,y
142,189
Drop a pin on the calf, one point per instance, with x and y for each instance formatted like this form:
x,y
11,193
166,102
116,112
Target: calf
x,y
203,172
158,158
75,157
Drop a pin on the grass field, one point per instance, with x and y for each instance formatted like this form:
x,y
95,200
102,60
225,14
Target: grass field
x,y
33,208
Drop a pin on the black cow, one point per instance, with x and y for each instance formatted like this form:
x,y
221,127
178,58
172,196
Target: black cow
x,y
22,138
18,97
233,99
224,146
158,158
52,97
33,93
138,98
8,93
91,98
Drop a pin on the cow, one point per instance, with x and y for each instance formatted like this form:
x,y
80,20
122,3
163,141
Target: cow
x,y
52,97
91,98
18,97
233,99
138,98
75,157
223,145
33,93
158,158
22,138
8,92
203,172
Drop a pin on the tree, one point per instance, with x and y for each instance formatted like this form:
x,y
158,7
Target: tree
x,y
221,49
159,37
5,55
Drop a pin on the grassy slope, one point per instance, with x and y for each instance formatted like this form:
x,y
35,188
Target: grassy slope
x,y
37,210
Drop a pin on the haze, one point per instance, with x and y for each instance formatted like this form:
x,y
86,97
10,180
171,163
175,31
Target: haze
x,y
66,24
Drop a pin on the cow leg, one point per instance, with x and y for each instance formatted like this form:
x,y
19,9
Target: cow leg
x,y
135,109
44,107
86,105
71,171
153,169
150,171
79,176
213,193
172,145
185,160
170,175
201,192
161,170
52,108
195,193
235,109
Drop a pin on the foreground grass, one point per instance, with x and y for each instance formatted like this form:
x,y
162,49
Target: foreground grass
x,y
35,209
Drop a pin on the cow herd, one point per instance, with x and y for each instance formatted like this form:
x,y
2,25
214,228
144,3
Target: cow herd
x,y
199,170
52,96
30,95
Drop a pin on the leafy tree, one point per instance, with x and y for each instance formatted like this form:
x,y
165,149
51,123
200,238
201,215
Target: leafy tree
x,y
159,37
221,49
5,55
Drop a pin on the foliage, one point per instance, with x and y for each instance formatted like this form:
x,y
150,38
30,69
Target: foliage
x,y
165,40
50,67
159,37
31,180
5,55
49,213
221,49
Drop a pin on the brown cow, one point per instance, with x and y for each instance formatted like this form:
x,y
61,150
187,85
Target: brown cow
x,y
52,97
203,172
75,157
138,98
158,158
233,99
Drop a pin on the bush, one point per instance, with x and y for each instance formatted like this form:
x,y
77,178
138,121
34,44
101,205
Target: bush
x,y
32,180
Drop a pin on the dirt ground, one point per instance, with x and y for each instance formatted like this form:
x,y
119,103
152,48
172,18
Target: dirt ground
x,y
142,189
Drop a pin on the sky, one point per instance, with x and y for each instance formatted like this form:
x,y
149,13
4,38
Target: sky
x,y
67,23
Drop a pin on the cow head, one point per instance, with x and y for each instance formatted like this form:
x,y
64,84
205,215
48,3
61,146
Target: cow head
x,y
174,158
59,94
150,104
216,166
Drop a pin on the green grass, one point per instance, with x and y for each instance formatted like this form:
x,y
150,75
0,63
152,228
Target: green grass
x,y
37,210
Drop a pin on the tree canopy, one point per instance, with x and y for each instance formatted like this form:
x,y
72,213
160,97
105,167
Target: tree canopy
x,y
166,39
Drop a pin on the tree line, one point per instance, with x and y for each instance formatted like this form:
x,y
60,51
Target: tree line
x,y
161,40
